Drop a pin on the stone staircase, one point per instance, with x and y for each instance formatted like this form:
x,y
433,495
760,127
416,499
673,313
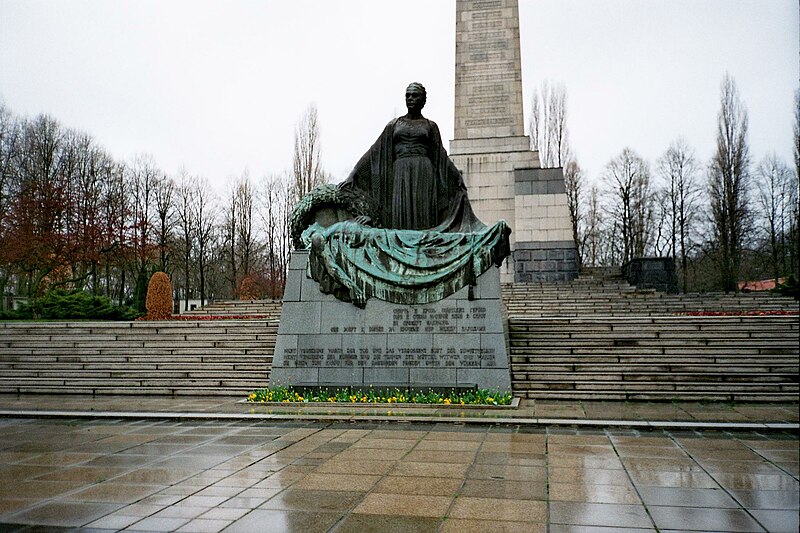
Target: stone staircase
x,y
270,309
593,338
589,296
598,337
656,358
215,357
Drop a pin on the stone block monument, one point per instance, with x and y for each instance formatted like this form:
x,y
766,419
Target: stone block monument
x,y
456,342
503,175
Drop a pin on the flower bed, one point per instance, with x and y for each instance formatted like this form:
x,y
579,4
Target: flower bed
x,y
482,397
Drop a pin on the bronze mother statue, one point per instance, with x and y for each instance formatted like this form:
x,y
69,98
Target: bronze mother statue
x,y
400,228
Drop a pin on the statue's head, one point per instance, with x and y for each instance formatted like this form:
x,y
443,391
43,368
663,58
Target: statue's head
x,y
416,96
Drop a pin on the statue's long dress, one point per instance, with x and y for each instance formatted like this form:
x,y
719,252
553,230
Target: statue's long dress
x,y
414,201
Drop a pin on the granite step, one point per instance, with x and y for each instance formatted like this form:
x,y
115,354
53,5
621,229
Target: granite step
x,y
653,357
219,357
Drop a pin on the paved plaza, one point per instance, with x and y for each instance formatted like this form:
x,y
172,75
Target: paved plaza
x,y
701,415
240,474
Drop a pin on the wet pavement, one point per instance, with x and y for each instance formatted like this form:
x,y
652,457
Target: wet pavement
x,y
704,415
360,476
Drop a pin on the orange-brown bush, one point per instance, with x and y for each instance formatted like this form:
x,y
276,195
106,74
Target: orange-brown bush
x,y
159,297
249,288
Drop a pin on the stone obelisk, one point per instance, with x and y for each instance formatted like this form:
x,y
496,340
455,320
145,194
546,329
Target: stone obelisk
x,y
503,175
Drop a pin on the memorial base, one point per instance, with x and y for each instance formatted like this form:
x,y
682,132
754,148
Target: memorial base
x,y
458,342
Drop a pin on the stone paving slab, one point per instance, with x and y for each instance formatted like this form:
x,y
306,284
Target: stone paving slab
x,y
267,475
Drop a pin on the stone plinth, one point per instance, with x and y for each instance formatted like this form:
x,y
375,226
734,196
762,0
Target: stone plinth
x,y
456,342
544,250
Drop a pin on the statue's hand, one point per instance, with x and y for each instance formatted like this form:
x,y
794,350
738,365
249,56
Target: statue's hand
x,y
364,220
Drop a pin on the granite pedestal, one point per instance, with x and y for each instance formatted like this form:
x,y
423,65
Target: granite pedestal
x,y
460,341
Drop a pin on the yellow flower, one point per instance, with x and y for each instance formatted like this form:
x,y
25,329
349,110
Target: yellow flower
x,y
447,401
331,399
252,397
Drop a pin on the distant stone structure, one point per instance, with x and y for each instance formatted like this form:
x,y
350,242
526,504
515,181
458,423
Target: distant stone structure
x,y
503,175
657,273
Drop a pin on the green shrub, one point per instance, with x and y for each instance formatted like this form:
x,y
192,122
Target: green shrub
x,y
23,313
790,287
71,305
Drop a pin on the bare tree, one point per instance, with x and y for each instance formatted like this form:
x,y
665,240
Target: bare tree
x,y
229,238
71,216
679,171
776,198
548,125
164,194
591,242
205,217
630,202
794,221
245,228
41,202
288,198
276,198
239,235
93,173
728,184
116,209
308,172
187,227
574,181
796,128
142,177
9,152
10,130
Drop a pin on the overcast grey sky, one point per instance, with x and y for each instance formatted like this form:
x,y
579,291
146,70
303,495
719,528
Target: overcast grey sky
x,y
217,87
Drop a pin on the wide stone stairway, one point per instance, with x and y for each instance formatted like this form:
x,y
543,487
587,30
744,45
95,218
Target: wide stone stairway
x,y
213,357
615,297
592,338
598,338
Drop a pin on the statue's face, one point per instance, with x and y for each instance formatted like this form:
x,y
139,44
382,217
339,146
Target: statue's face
x,y
415,99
